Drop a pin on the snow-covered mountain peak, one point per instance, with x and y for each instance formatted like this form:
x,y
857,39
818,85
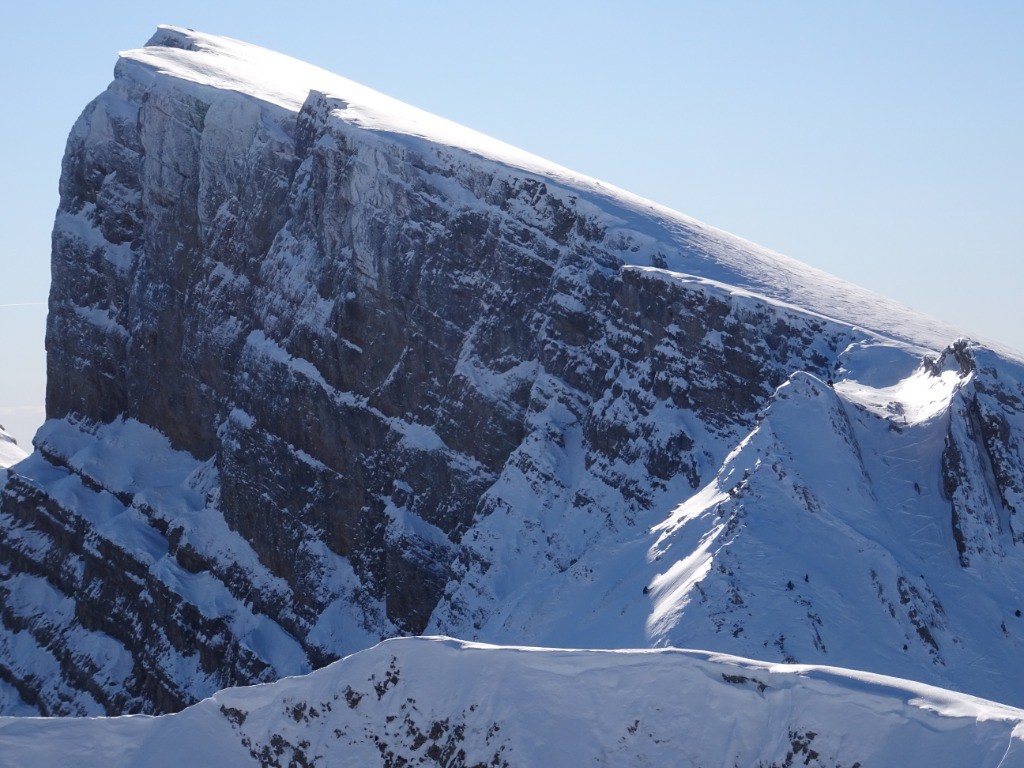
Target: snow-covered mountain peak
x,y
643,232
226,64
323,369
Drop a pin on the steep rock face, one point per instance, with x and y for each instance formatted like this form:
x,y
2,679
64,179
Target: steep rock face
x,y
983,463
10,452
323,369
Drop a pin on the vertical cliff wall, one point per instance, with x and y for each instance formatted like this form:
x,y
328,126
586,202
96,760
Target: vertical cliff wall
x,y
319,375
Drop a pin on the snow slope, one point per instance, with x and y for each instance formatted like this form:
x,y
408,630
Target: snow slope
x,y
10,452
436,701
324,369
824,535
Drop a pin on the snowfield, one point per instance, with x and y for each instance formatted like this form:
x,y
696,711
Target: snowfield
x,y
438,701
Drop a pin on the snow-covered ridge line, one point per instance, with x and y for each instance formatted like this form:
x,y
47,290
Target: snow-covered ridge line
x,y
227,64
940,700
652,233
443,701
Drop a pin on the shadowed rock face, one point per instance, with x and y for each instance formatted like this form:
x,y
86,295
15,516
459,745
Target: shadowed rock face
x,y
292,365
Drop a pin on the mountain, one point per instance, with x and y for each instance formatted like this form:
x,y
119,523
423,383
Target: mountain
x,y
10,452
324,369
394,705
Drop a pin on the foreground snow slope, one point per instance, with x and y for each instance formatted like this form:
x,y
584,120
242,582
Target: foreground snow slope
x,y
324,369
435,701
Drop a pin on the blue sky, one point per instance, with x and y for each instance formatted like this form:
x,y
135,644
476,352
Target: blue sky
x,y
879,141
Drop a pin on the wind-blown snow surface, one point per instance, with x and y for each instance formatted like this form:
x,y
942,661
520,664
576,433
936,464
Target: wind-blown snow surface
x,y
324,369
435,701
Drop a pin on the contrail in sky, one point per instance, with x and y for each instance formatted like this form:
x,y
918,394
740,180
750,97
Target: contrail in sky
x,y
25,304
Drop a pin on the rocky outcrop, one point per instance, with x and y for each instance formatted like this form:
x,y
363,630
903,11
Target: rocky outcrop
x,y
318,377
983,462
